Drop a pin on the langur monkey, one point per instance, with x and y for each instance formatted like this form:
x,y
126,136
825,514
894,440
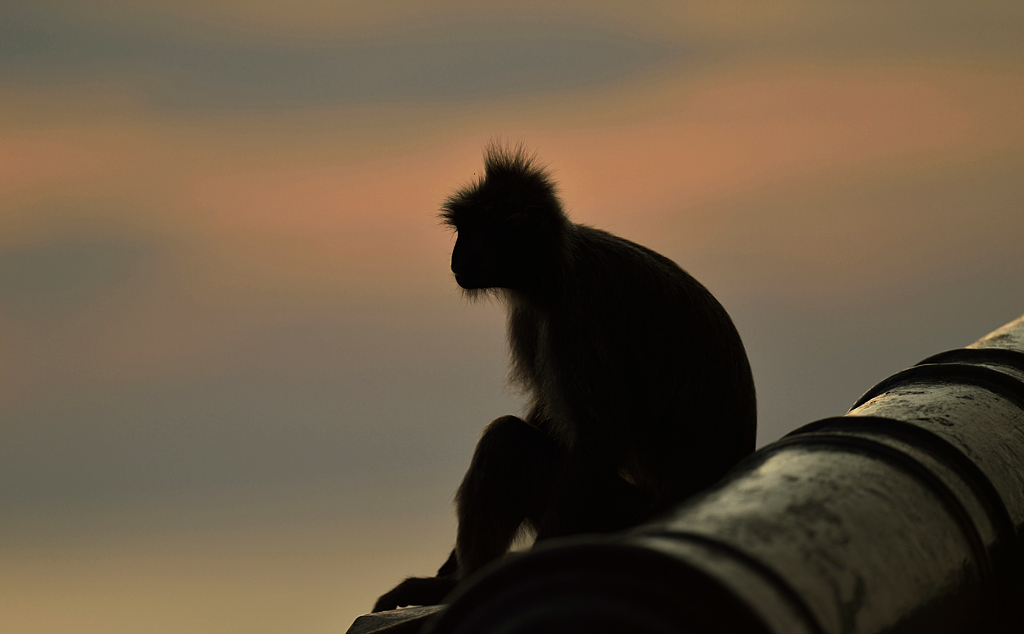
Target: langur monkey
x,y
640,392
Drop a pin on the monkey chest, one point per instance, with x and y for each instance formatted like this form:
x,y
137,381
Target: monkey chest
x,y
569,379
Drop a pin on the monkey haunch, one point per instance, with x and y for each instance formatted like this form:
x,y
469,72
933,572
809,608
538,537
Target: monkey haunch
x,y
640,390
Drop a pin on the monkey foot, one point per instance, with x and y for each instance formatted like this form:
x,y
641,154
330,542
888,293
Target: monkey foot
x,y
417,591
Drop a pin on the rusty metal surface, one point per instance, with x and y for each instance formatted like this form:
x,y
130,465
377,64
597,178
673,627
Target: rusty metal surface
x,y
904,515
859,543
401,621
1008,337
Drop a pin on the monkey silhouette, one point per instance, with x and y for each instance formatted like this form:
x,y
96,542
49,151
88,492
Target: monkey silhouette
x,y
640,392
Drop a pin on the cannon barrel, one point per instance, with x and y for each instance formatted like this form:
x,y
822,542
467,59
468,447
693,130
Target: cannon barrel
x,y
904,515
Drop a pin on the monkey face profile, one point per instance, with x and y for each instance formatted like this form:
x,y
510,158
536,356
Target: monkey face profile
x,y
508,227
491,255
640,392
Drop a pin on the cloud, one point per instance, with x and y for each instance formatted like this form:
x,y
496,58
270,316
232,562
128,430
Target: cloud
x,y
53,279
183,65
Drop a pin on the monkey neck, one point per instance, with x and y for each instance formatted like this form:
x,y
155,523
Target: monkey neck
x,y
540,278
527,326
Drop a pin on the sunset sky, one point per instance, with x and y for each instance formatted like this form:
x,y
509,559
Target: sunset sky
x,y
238,385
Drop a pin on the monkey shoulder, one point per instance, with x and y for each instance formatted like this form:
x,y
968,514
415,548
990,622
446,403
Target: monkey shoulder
x,y
632,321
616,276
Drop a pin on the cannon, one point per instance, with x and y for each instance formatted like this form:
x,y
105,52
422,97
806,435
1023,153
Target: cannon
x,y
904,515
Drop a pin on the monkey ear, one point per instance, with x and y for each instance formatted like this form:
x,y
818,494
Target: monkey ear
x,y
537,218
531,217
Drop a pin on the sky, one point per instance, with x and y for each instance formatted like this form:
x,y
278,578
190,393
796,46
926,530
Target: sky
x,y
238,385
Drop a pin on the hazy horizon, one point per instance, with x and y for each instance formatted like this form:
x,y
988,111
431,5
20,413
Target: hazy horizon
x,y
238,386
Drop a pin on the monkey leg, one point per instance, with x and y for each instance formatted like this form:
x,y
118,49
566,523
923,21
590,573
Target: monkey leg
x,y
511,465
585,498
504,485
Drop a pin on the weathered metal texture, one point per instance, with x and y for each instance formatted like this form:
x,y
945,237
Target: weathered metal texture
x,y
905,515
401,621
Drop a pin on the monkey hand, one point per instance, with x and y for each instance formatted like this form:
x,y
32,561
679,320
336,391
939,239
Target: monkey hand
x,y
422,590
417,591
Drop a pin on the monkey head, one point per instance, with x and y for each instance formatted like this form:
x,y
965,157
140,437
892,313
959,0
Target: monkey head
x,y
509,224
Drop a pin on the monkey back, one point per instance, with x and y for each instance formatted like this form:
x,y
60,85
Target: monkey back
x,y
632,360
